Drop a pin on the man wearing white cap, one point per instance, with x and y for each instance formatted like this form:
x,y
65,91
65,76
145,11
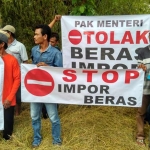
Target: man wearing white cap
x,y
10,86
18,50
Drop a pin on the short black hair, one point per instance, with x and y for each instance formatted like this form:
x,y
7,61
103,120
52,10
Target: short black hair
x,y
5,46
56,35
45,29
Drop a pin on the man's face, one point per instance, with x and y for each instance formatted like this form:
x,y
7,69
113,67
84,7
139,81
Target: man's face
x,y
38,37
53,42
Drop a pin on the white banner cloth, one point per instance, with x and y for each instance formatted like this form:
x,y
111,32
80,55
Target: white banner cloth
x,y
82,86
103,42
1,89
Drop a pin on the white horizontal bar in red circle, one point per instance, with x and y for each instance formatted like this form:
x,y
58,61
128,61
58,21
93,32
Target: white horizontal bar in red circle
x,y
39,82
75,37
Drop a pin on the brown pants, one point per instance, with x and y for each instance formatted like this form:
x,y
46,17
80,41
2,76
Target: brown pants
x,y
141,115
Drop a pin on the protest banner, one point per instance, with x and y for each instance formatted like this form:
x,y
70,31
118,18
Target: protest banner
x,y
117,87
1,89
103,42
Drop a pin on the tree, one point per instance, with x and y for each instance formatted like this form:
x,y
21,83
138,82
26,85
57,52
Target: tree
x,y
24,15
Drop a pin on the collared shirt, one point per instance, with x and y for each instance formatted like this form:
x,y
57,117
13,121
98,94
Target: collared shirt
x,y
50,56
144,58
18,50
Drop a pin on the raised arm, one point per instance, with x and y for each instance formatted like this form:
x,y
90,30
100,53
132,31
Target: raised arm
x,y
57,18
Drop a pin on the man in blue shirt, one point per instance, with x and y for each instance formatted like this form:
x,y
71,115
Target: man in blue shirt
x,y
45,55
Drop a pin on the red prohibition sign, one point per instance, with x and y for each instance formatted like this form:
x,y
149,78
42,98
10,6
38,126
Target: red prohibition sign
x,y
75,37
39,82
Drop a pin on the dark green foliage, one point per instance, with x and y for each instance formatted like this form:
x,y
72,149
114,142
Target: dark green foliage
x,y
84,7
110,7
24,15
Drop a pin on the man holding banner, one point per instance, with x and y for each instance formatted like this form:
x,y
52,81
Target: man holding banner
x,y
45,55
10,85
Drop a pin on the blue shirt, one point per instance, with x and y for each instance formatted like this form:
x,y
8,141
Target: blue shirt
x,y
50,56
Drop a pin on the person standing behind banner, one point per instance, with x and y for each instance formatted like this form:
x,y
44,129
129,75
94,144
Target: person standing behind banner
x,y
45,55
144,63
147,115
10,86
18,50
54,40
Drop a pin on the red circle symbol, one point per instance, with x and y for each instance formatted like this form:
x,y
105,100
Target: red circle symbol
x,y
39,82
75,37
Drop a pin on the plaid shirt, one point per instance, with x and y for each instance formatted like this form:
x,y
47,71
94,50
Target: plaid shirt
x,y
144,58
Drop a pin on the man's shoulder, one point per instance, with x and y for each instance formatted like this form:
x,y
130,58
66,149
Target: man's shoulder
x,y
19,43
57,48
54,49
144,50
16,45
146,47
9,51
35,47
11,57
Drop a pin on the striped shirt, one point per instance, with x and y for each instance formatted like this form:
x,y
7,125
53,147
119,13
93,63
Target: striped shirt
x,y
144,58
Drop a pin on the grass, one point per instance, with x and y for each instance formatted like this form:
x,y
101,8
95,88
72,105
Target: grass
x,y
83,128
